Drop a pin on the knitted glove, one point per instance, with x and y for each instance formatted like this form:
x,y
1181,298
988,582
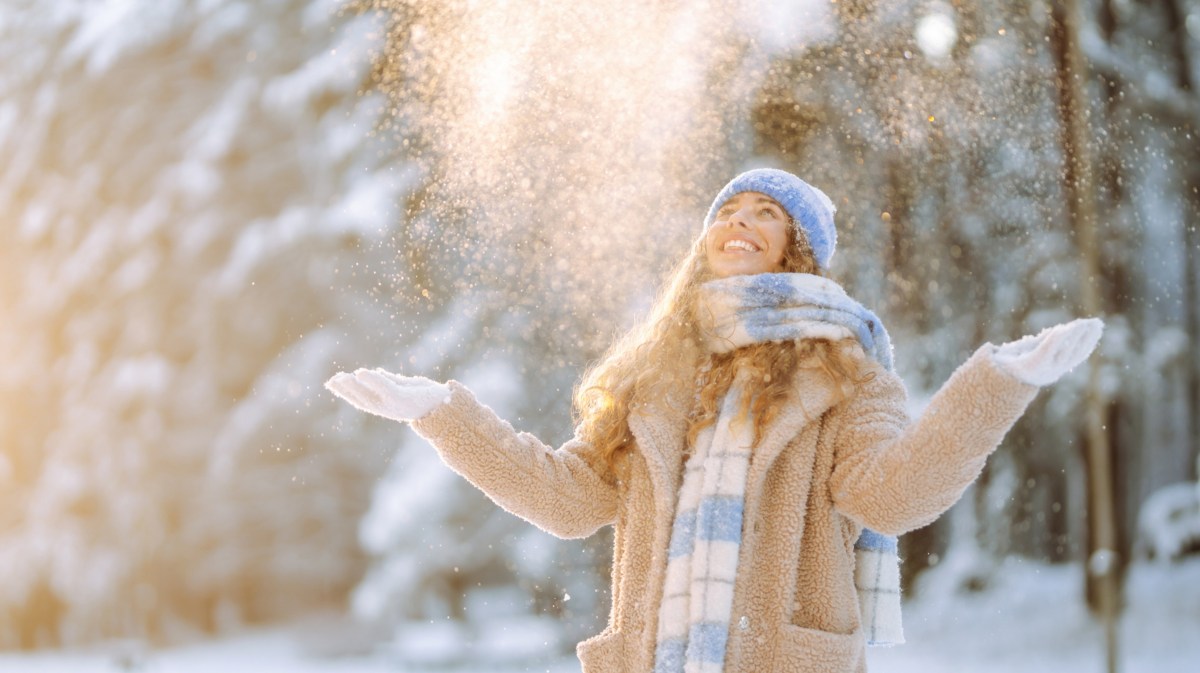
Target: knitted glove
x,y
1043,358
379,392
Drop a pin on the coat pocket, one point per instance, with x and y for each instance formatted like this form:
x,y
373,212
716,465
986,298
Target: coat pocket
x,y
801,650
602,653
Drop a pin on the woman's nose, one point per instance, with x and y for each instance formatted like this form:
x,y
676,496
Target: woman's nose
x,y
737,218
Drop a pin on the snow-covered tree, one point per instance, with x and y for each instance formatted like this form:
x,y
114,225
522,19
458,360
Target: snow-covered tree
x,y
194,202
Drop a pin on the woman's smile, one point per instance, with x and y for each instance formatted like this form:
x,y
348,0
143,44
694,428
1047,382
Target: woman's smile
x,y
736,244
748,236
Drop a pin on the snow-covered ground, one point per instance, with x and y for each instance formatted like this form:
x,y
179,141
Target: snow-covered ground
x,y
1032,619
1029,620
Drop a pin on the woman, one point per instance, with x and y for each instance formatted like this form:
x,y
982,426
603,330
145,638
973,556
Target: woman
x,y
744,441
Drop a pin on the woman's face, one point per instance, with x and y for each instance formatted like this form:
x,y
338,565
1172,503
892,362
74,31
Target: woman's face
x,y
748,235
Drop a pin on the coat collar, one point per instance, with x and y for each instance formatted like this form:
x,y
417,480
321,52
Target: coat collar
x,y
662,438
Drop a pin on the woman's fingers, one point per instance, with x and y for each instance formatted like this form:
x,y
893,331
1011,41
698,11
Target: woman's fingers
x,y
354,391
1025,345
399,379
404,381
1079,335
1031,342
1090,331
376,381
1085,336
1071,343
390,398
1065,346
335,382
343,385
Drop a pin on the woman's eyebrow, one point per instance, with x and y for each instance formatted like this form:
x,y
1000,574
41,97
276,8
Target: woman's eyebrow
x,y
762,199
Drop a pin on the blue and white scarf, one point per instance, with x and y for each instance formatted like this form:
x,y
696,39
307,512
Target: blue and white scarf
x,y
750,309
694,616
693,619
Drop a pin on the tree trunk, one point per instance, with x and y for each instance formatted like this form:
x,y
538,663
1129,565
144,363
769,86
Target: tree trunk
x,y
1103,562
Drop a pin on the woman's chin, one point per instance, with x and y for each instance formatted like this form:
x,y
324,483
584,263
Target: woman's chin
x,y
725,271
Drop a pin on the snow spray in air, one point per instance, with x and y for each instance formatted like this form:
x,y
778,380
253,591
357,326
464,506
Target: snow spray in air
x,y
571,146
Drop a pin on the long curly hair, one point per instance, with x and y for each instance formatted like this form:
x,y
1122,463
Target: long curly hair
x,y
660,364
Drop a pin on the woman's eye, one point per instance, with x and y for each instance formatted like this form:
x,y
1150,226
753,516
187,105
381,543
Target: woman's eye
x,y
767,212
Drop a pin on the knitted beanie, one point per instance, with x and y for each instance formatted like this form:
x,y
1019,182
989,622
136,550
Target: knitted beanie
x,y
808,206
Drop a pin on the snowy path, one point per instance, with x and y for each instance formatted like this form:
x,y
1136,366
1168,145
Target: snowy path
x,y
1029,621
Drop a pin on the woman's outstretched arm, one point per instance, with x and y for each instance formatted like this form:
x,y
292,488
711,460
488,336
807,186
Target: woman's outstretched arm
x,y
893,475
560,491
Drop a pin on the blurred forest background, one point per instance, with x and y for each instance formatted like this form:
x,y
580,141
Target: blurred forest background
x,y
208,207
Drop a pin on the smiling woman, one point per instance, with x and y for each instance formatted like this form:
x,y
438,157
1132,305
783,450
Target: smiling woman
x,y
749,235
744,441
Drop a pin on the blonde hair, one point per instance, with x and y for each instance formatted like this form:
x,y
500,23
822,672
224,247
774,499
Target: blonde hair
x,y
658,364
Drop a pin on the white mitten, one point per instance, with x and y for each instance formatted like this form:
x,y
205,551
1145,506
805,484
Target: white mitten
x,y
379,392
1043,358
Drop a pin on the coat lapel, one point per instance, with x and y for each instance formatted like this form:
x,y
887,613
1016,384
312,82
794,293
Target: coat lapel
x,y
661,441
811,396
661,437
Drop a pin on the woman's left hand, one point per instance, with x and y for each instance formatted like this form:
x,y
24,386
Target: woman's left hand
x,y
1044,358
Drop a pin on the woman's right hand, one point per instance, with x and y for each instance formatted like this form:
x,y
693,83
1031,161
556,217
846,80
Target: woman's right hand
x,y
394,396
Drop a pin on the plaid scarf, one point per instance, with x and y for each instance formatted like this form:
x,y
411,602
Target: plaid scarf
x,y
693,619
694,615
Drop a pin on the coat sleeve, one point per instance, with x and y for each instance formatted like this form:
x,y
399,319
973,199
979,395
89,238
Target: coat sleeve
x,y
564,492
893,475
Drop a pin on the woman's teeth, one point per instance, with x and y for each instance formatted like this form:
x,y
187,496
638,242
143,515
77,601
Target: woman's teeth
x,y
737,244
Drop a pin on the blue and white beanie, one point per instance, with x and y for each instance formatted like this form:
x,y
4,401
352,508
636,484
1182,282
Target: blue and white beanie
x,y
808,206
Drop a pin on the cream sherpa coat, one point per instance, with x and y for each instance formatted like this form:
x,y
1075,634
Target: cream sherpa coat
x,y
821,472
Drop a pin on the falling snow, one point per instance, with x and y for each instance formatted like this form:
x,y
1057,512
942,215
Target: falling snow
x,y
212,206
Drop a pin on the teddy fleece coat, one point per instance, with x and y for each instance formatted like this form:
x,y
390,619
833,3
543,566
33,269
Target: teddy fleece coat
x,y
823,470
